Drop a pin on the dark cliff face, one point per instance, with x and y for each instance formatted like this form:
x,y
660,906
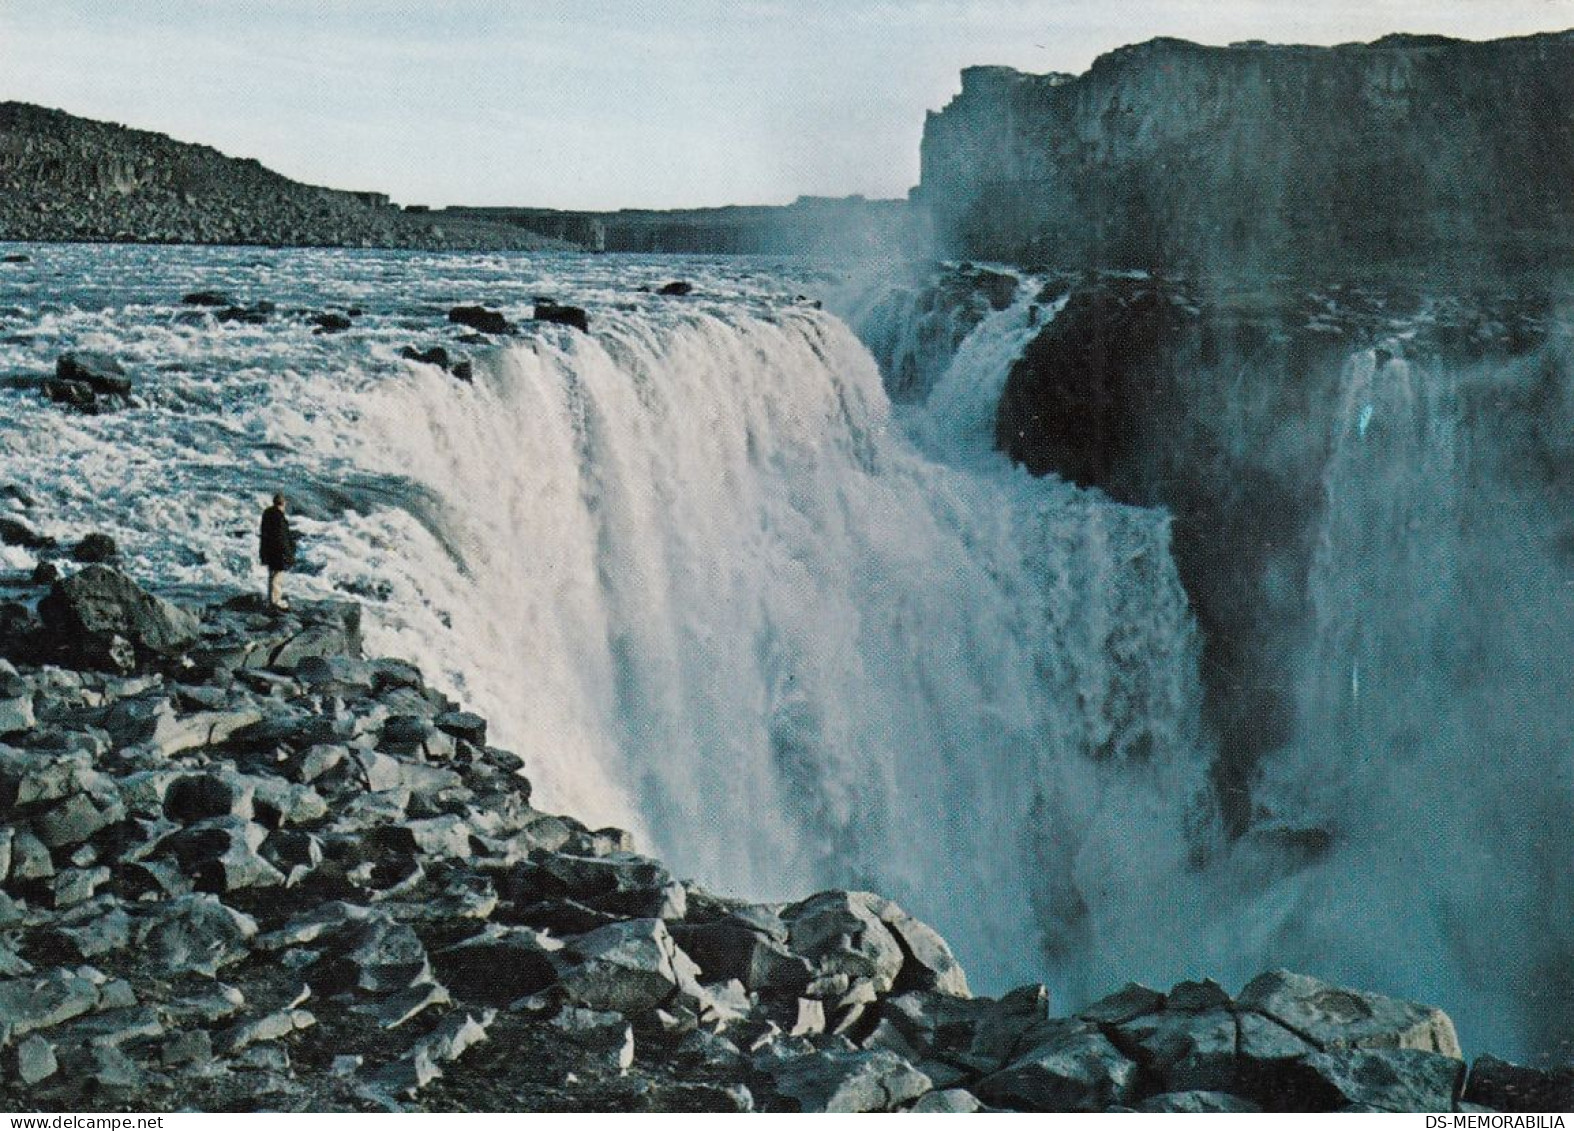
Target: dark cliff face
x,y
1406,152
1227,409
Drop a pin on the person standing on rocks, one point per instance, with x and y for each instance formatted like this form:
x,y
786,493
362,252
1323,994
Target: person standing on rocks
x,y
277,551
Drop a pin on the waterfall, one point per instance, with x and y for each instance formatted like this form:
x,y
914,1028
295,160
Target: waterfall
x,y
721,595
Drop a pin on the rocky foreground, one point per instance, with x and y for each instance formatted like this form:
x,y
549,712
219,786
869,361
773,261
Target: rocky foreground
x,y
246,867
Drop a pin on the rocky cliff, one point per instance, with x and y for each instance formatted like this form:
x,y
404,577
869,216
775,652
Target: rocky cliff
x,y
242,866
1407,152
67,178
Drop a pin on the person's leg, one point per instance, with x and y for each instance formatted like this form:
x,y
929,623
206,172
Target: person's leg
x,y
276,588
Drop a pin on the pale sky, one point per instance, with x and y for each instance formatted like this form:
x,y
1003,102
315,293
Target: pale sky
x,y
605,104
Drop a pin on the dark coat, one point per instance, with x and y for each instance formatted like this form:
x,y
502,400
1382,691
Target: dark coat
x,y
277,548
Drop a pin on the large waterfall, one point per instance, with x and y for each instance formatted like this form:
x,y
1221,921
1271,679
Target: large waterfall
x,y
716,584
722,594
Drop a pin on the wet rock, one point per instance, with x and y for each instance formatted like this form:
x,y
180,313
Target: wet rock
x,y
500,965
14,532
99,603
733,949
1390,1079
1197,1103
950,1101
563,315
43,1000
607,1036
195,934
1068,1066
99,372
331,323
1334,1018
835,1080
254,315
1503,1086
46,573
464,725
1186,1051
480,318
841,932
207,298
35,1060
628,967
95,549
677,287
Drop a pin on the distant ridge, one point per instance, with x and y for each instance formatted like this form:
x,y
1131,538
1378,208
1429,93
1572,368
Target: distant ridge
x,y
73,179
69,178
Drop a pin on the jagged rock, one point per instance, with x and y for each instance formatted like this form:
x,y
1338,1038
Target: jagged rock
x,y
16,714
732,949
43,1000
188,1047
1198,997
606,1035
336,674
98,603
220,854
30,859
563,315
1334,1018
835,1080
76,818
272,1026
1502,1086
35,1060
463,724
500,965
628,967
1068,1066
99,372
46,573
842,932
1389,1079
480,318
1188,1052
95,548
91,932
1196,1103
195,933
200,796
1125,1004
950,1101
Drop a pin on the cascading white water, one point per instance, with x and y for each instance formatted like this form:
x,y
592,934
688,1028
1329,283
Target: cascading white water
x,y
721,596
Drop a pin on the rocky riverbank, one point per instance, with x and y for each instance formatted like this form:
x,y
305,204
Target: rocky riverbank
x,y
246,867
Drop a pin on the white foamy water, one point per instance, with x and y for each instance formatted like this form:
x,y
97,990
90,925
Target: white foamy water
x,y
692,566
712,585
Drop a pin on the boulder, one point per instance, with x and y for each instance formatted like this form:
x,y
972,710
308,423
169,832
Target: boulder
x,y
499,966
1196,1103
841,932
331,323
95,549
1333,1018
563,315
628,967
1503,1086
99,603
207,298
99,372
480,318
44,1000
606,1036
676,287
1390,1079
839,1080
16,533
730,949
194,934
1186,1051
1068,1066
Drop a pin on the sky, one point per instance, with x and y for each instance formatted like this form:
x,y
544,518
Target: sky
x,y
602,104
